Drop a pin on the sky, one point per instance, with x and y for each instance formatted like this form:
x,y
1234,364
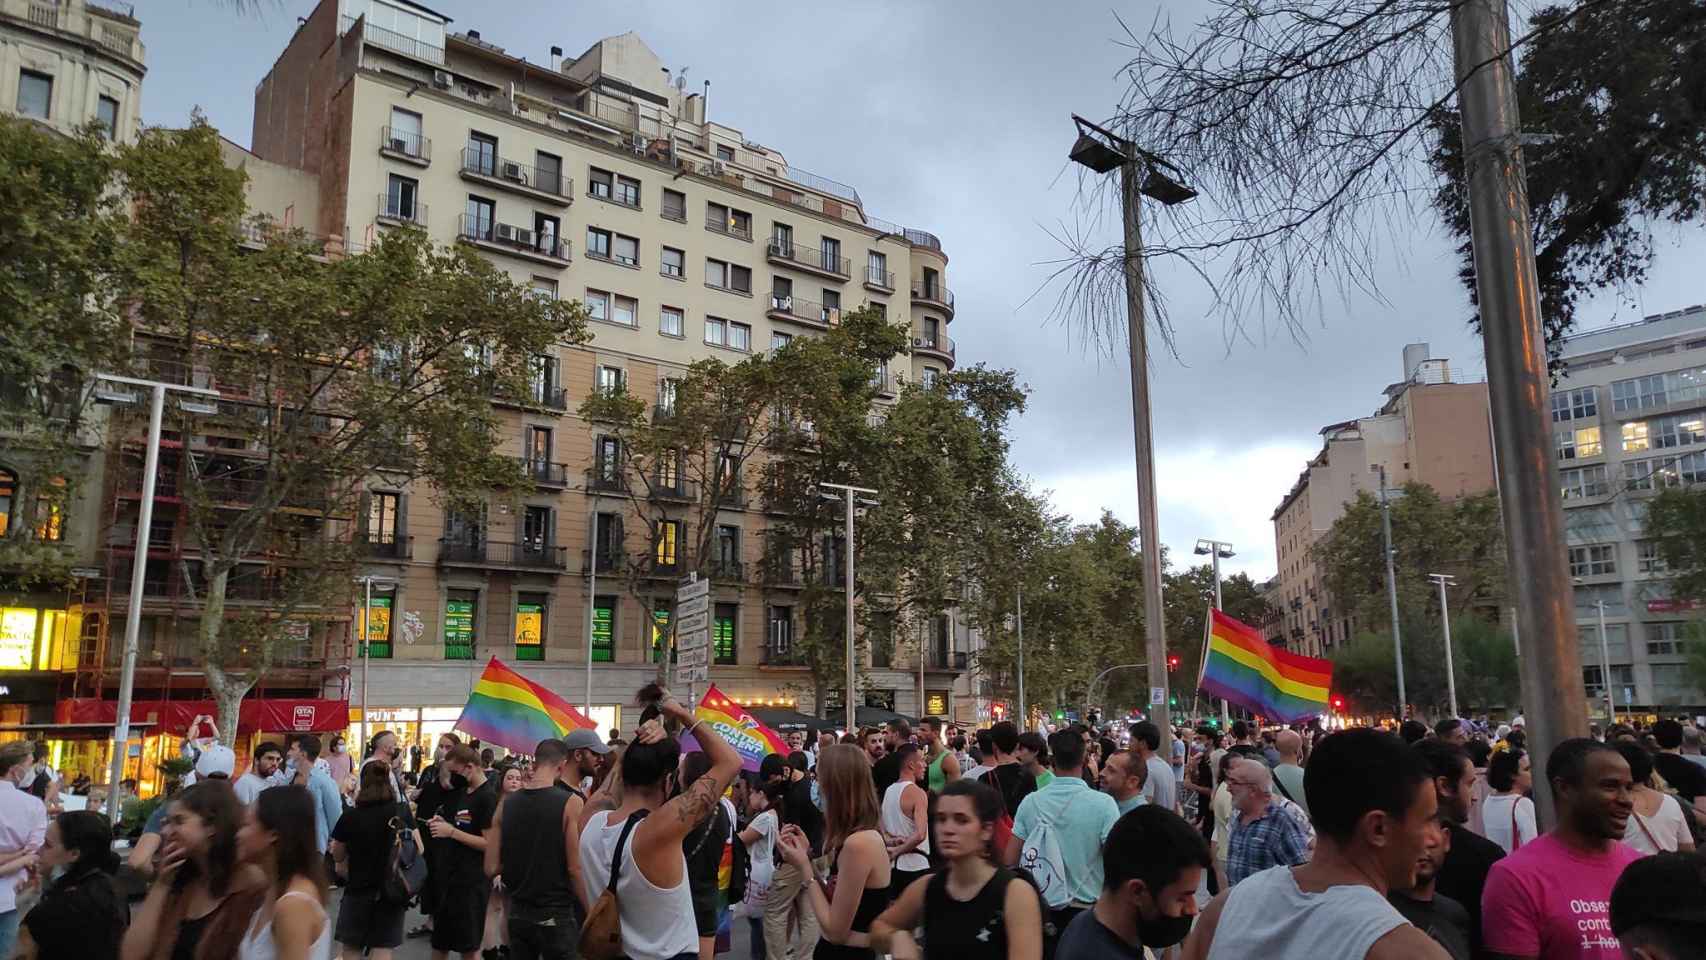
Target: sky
x,y
954,117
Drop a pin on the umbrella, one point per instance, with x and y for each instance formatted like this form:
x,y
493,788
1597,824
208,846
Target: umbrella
x,y
784,721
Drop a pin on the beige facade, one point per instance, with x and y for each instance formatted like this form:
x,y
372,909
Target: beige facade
x,y
1429,430
602,181
68,62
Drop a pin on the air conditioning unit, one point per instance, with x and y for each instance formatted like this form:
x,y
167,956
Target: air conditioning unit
x,y
718,169
507,233
512,171
441,79
523,238
918,342
399,145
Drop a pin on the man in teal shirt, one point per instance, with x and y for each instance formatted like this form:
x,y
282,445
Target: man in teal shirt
x,y
1122,777
1079,819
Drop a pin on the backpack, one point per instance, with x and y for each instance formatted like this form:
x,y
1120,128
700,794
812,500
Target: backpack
x,y
405,868
1003,822
601,932
1042,857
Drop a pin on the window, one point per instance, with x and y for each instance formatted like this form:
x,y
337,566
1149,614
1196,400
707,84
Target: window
x,y
477,222
481,155
1593,560
880,376
728,550
779,638
1578,404
669,461
35,94
376,624
669,540
548,172
723,633
728,276
1584,482
543,288
831,250
1685,430
1666,639
545,231
460,637
1659,389
675,205
740,336
930,375
538,445
1581,442
405,134
530,626
382,516
716,331
668,387
780,340
831,313
1647,557
537,523
672,263
612,379
725,153
1622,677
604,629
598,243
626,191
782,294
626,251
598,304
932,329
660,632
8,491
877,269
50,516
669,321
782,240
1635,436
106,112
724,219
627,312
400,198
601,183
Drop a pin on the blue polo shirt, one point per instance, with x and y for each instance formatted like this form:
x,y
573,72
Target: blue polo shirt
x,y
1080,832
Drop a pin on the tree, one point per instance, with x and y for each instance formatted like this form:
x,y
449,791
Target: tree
x,y
1676,522
1619,88
1189,594
330,369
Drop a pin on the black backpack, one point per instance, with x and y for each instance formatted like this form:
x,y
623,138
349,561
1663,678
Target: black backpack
x,y
405,867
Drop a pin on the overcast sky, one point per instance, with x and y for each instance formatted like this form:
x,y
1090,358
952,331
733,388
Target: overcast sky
x,y
962,111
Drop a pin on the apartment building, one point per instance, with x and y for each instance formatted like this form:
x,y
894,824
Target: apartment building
x,y
65,63
1628,408
597,178
1430,430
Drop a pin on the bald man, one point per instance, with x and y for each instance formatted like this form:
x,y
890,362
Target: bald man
x,y
1288,776
1263,834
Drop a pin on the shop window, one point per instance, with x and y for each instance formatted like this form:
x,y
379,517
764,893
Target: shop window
x,y
724,635
8,491
604,630
530,626
660,633
376,626
460,636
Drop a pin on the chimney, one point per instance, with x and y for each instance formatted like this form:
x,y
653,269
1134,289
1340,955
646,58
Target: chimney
x,y
473,34
1414,355
556,55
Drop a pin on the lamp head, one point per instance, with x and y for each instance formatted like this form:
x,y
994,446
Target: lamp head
x,y
1093,153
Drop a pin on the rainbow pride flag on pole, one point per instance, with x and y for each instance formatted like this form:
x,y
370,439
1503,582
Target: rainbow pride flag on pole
x,y
1243,668
512,711
751,739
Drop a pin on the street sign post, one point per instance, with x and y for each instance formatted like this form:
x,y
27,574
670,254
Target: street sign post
x,y
693,635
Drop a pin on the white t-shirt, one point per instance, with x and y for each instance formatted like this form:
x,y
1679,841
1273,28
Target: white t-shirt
x,y
1160,789
249,786
762,854
1661,832
1496,814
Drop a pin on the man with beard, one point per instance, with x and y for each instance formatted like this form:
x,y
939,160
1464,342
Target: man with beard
x,y
586,753
887,770
1152,862
1432,912
1468,856
875,748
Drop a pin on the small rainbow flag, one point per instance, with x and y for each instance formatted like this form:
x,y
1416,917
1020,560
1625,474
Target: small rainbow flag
x,y
512,711
751,739
1244,669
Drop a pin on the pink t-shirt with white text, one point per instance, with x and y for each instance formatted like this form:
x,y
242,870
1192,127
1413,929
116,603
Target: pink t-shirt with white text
x,y
1549,901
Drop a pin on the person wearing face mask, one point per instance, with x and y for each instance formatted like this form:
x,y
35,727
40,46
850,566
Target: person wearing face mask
x,y
1151,864
339,765
971,909
23,827
81,913
384,747
439,783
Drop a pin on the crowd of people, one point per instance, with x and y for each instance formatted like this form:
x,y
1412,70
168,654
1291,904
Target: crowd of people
x,y
1084,843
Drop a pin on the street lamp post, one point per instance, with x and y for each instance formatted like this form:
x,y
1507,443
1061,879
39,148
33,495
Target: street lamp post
x,y
139,561
1392,587
1444,580
851,501
1020,618
1216,550
1141,174
367,581
1605,667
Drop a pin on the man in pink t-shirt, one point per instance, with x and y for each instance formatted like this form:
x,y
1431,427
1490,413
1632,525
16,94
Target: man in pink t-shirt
x,y
1551,899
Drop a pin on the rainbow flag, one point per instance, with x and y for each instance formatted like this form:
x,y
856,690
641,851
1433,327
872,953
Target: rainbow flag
x,y
1243,668
512,711
751,739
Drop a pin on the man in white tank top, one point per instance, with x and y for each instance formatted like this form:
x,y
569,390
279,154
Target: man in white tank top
x,y
1374,809
905,820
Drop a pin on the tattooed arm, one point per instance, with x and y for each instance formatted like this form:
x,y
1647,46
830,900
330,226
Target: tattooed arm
x,y
657,840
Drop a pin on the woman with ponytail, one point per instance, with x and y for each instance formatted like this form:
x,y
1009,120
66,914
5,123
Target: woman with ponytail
x,y
81,914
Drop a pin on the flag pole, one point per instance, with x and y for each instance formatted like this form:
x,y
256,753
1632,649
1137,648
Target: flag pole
x,y
1202,659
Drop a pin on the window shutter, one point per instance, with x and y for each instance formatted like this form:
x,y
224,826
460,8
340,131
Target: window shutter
x,y
365,506
402,521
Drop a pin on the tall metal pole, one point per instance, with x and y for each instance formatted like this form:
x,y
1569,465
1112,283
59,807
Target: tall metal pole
x,y
1518,382
847,585
1154,646
1024,717
1605,666
133,613
591,603
1445,622
1216,550
1392,589
366,641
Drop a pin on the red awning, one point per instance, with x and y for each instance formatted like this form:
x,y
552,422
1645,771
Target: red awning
x,y
174,716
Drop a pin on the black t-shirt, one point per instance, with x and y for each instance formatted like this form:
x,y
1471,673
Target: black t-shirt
x,y
1442,918
469,812
803,813
1086,939
1684,774
1464,874
886,772
365,832
1014,784
431,795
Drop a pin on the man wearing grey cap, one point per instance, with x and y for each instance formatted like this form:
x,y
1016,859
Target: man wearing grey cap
x,y
585,751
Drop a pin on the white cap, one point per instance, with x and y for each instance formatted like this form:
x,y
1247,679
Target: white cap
x,y
1516,722
216,760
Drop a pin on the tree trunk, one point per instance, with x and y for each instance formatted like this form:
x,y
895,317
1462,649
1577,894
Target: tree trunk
x,y
228,689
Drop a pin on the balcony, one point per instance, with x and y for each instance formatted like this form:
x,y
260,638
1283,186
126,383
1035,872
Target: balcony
x,y
879,281
884,384
514,241
392,40
546,184
778,572
684,491
934,295
806,313
540,395
606,478
509,556
781,655
544,473
807,260
941,346
732,570
732,496
729,228
388,546
937,658
405,145
395,212
609,561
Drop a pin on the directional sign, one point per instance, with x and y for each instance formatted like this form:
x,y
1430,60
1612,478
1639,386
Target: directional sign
x,y
1157,696
689,624
694,674
692,588
696,657
689,607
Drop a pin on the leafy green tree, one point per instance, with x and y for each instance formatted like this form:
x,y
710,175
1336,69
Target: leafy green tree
x,y
330,369
1676,521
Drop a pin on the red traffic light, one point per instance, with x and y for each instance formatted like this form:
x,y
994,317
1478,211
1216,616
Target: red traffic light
x,y
1172,661
1338,703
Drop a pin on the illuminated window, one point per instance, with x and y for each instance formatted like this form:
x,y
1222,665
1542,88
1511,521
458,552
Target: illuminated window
x,y
1635,435
8,489
669,534
723,632
530,626
50,514
460,636
660,633
376,626
18,637
604,629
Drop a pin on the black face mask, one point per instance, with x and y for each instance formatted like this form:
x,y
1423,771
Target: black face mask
x,y
1163,931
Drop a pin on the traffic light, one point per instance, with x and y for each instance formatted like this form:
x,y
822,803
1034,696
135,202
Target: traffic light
x,y
1173,701
1172,662
1338,704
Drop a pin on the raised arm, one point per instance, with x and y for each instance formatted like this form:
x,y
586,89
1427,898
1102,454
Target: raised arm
x,y
677,818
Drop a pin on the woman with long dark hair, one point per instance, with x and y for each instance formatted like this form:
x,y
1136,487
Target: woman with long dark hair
x,y
858,858
971,909
199,905
1508,814
278,837
81,913
361,843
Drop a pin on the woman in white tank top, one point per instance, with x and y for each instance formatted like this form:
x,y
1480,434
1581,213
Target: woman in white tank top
x,y
1507,815
277,835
